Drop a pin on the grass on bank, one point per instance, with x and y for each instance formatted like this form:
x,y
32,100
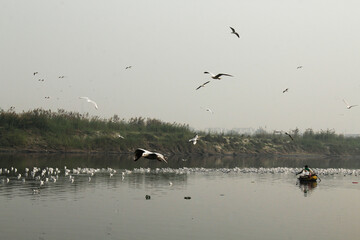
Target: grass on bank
x,y
70,131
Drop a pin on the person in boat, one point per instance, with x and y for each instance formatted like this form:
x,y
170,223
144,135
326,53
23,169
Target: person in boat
x,y
307,171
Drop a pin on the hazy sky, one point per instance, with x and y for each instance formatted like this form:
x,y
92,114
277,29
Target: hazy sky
x,y
170,44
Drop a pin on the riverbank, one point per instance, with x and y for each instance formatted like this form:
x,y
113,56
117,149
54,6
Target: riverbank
x,y
41,131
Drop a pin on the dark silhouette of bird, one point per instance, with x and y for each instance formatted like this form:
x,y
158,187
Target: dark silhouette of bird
x,y
149,155
202,85
35,73
299,67
234,32
286,90
218,76
128,67
289,136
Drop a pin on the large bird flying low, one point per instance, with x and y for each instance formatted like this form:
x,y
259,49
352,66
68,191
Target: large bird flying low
x,y
218,76
194,139
234,32
90,101
348,106
149,155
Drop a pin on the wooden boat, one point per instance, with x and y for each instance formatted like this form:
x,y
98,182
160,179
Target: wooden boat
x,y
308,178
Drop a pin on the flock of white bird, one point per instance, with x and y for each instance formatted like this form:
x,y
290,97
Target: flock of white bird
x,y
49,175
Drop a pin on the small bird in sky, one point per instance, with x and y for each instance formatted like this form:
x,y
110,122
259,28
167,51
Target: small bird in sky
x,y
61,76
128,67
299,67
218,76
286,90
209,110
234,32
289,136
149,155
90,101
194,139
41,80
202,85
35,73
348,106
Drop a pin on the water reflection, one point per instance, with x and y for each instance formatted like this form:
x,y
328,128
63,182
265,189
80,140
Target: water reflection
x,y
307,187
240,196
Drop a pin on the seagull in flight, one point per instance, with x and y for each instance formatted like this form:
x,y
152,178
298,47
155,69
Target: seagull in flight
x,y
348,106
128,67
194,139
286,90
299,67
35,73
149,155
234,32
289,136
90,101
218,76
209,110
202,85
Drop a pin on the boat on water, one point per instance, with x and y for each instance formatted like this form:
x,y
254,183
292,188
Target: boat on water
x,y
308,178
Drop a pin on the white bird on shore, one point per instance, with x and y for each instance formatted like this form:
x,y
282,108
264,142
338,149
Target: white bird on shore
x,y
194,139
202,85
348,106
234,32
90,101
149,155
218,76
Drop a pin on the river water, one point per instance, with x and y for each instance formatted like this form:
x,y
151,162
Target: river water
x,y
239,197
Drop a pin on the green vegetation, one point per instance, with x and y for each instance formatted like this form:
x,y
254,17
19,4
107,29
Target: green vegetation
x,y
42,130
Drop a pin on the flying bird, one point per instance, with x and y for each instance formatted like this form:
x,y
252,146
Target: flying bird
x,y
194,139
128,67
90,101
299,67
202,85
289,136
209,110
35,73
286,90
149,155
218,76
61,76
234,32
348,106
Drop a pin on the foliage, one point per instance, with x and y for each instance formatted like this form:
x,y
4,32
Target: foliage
x,y
41,130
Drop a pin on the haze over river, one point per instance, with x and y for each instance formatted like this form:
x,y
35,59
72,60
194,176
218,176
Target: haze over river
x,y
239,197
